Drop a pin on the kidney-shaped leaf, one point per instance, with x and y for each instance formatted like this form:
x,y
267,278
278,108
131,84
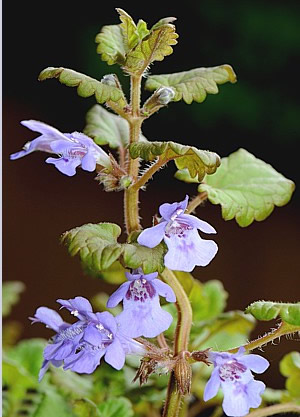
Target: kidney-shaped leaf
x,y
247,188
268,310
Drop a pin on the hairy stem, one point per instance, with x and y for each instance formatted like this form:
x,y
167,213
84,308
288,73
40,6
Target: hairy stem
x,y
131,196
199,199
275,409
282,330
148,174
185,316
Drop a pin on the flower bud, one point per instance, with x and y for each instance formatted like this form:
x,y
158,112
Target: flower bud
x,y
201,356
111,80
165,95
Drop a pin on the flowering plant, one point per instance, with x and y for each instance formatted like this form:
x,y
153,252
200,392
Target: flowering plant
x,y
153,265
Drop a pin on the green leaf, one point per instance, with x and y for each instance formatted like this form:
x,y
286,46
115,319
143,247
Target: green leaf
x,y
196,161
129,30
183,175
208,300
106,128
95,243
111,44
290,367
151,260
228,331
11,291
163,21
115,274
268,310
86,86
153,47
247,188
29,354
70,383
99,302
142,29
116,407
195,84
53,405
85,408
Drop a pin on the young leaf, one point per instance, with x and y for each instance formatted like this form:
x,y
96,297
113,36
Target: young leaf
x,y
129,30
106,128
116,407
247,188
290,367
95,243
111,44
11,291
29,354
86,86
197,162
163,21
151,260
153,47
195,84
268,310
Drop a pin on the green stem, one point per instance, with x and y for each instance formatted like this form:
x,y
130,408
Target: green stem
x,y
184,323
147,175
131,196
275,409
199,199
282,330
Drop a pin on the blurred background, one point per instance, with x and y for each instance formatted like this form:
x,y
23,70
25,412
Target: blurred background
x,y
260,113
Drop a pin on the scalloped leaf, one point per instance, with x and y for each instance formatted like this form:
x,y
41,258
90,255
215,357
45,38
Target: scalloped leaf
x,y
154,47
11,291
106,128
151,260
196,161
193,85
111,44
116,407
268,310
247,188
86,86
96,245
290,367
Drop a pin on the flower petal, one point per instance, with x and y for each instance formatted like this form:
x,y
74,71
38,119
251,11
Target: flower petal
x,y
212,386
164,290
66,166
88,162
256,363
115,355
44,368
254,391
108,321
186,252
118,295
167,210
235,403
93,335
152,236
84,362
145,318
197,223
44,129
49,317
77,304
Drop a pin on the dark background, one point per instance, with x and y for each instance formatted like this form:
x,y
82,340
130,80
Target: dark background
x,y
260,113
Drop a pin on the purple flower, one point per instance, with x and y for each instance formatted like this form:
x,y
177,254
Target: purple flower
x,y
80,346
233,374
142,314
74,149
179,231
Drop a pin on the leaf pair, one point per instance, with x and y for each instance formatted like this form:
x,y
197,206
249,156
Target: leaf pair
x,y
98,249
134,46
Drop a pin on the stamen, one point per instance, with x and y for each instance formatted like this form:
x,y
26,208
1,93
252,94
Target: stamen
x,y
99,326
74,312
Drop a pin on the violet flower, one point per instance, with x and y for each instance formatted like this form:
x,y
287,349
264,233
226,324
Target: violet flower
x,y
179,231
233,374
74,149
142,314
80,346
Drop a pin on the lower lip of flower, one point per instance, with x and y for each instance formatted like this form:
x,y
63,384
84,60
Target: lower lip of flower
x,y
231,371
